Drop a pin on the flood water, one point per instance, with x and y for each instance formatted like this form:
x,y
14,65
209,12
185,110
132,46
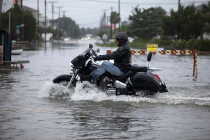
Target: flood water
x,y
32,108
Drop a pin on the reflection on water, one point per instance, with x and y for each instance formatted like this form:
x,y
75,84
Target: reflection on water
x,y
32,107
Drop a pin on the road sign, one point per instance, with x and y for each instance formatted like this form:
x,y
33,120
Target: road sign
x,y
18,26
152,47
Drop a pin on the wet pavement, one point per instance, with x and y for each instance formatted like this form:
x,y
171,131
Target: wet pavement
x,y
27,111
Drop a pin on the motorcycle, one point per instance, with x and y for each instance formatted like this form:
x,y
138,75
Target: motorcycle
x,y
138,78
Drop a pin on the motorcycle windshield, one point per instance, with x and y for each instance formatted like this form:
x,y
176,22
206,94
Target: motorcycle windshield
x,y
80,59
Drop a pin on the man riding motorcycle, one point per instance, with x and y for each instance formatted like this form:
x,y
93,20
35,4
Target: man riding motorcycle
x,y
121,59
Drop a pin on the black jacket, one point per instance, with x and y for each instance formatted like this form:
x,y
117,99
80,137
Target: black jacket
x,y
121,57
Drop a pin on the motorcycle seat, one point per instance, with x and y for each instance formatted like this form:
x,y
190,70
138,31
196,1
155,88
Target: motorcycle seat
x,y
124,77
138,68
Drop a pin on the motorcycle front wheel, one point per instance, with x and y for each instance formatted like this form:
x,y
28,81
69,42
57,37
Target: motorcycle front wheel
x,y
64,80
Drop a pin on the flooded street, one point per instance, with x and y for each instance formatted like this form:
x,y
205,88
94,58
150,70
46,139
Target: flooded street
x,y
27,111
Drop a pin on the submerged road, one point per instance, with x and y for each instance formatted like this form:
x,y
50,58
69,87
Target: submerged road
x,y
27,111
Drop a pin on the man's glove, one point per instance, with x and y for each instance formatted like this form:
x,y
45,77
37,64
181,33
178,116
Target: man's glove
x,y
97,58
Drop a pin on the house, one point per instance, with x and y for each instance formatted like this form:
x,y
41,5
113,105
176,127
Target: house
x,y
41,18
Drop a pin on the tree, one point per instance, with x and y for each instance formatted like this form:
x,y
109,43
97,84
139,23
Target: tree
x,y
186,23
146,23
101,33
29,23
69,26
114,19
92,31
83,31
206,11
30,26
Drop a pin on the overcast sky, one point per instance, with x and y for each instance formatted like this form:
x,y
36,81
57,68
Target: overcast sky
x,y
87,13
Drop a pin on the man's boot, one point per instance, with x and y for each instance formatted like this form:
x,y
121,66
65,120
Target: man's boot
x,y
85,77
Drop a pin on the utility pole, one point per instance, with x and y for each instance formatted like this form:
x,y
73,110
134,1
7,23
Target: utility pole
x,y
22,33
111,24
119,14
38,19
178,4
63,21
52,12
59,21
1,1
105,19
15,23
45,22
9,22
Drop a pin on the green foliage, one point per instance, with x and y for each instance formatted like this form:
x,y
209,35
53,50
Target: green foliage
x,y
206,12
30,26
201,45
139,44
100,33
85,31
146,24
4,21
179,44
29,22
186,23
70,27
163,43
114,19
124,28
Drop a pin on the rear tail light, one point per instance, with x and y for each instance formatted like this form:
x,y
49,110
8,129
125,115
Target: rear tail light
x,y
157,77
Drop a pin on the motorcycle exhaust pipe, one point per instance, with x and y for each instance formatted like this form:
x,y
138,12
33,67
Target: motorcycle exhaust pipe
x,y
111,91
120,85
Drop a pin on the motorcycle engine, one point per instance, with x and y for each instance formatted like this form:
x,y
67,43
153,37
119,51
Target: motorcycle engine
x,y
104,82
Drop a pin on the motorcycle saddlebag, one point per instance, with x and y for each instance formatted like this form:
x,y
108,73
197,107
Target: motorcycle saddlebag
x,y
146,81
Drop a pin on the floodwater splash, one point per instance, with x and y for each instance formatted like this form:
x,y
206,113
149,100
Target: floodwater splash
x,y
87,91
50,90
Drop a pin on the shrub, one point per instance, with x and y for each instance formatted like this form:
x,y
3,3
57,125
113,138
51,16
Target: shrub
x,y
161,42
180,44
202,45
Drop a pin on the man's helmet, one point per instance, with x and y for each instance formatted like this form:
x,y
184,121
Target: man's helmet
x,y
122,37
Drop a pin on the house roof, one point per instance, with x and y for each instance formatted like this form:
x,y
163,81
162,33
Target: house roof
x,y
29,9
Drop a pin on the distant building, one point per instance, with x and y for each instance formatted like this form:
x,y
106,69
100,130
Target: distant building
x,y
35,14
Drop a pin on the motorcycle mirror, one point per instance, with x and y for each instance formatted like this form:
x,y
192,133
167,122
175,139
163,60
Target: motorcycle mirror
x,y
90,46
94,52
149,56
98,50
